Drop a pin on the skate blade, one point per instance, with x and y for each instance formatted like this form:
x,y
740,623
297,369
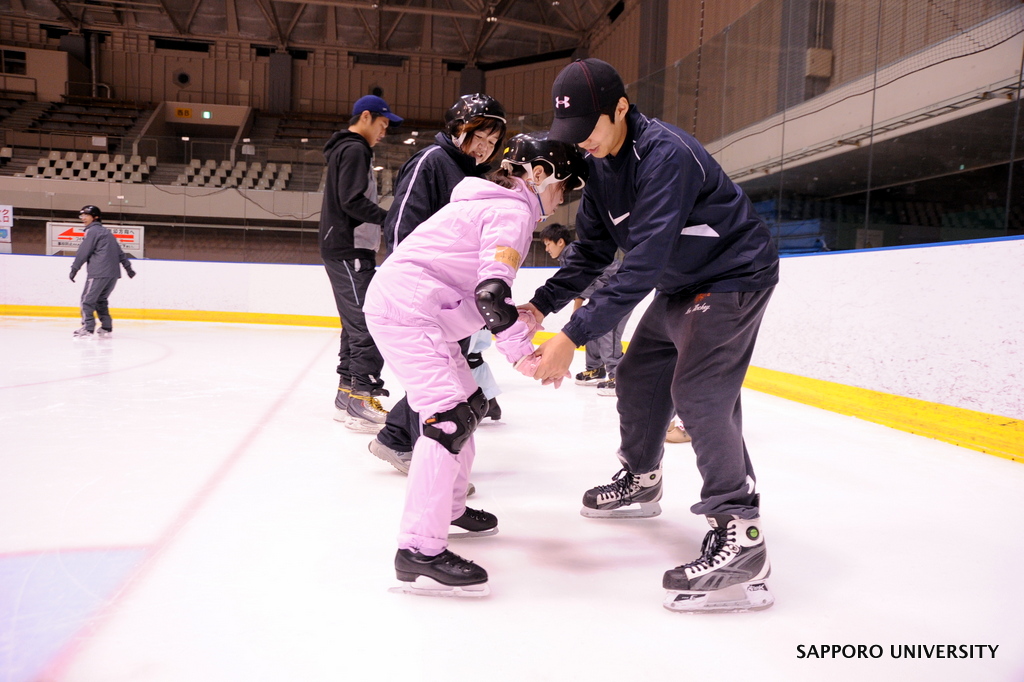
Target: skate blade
x,y
428,587
754,596
457,533
340,416
643,510
362,425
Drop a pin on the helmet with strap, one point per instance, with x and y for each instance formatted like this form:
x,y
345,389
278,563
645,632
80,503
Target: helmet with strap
x,y
563,162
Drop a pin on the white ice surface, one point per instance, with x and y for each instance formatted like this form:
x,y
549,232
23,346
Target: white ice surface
x,y
270,530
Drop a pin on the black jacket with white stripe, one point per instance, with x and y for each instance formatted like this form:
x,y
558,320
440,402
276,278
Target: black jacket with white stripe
x,y
684,226
425,183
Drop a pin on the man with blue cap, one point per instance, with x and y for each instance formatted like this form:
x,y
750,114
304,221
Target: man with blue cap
x,y
350,235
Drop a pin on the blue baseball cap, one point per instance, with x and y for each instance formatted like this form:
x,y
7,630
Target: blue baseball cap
x,y
375,105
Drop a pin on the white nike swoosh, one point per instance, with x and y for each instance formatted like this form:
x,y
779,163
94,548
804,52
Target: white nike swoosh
x,y
616,221
699,231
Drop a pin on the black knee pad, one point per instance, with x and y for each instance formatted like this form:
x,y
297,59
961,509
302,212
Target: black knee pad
x,y
466,416
475,360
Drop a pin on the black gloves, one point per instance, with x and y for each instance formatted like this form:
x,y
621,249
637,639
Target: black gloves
x,y
128,269
74,272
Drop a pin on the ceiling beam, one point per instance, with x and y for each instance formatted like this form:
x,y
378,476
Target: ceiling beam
x,y
192,14
439,12
167,10
77,23
232,12
294,21
271,16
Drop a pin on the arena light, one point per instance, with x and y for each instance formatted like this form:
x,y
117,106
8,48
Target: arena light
x,y
411,140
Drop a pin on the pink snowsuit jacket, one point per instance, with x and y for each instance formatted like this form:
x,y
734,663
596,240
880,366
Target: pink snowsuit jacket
x,y
483,233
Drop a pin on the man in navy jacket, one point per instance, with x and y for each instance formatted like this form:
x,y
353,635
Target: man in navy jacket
x,y
690,234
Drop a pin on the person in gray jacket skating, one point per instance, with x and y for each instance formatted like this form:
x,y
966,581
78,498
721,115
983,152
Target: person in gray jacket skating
x,y
104,256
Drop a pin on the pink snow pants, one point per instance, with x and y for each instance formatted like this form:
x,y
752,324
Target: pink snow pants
x,y
436,378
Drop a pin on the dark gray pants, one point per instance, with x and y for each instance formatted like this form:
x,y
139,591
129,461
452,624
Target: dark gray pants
x,y
95,299
358,357
606,351
689,355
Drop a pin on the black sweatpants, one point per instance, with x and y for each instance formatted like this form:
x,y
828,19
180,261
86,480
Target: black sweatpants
x,y
402,426
689,355
95,299
358,357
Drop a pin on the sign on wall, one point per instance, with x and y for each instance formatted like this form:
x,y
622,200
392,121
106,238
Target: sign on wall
x,y
67,237
6,226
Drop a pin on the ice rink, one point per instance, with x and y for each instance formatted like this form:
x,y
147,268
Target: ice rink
x,y
178,505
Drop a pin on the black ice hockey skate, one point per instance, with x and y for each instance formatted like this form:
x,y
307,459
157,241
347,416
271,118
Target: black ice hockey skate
x,y
728,576
629,495
475,523
444,575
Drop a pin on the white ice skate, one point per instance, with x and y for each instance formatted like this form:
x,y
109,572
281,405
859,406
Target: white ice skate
x,y
730,574
628,496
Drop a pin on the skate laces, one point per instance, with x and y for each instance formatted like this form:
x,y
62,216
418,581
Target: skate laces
x,y
452,559
374,404
476,514
711,554
620,484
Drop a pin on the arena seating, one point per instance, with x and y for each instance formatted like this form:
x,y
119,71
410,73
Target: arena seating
x,y
91,167
241,174
86,116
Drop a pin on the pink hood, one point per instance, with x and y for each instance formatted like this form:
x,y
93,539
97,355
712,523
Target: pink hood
x,y
483,233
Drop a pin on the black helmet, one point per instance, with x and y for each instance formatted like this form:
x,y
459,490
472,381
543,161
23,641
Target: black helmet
x,y
90,210
469,107
563,160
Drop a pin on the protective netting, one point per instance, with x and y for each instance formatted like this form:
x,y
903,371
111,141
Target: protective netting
x,y
787,52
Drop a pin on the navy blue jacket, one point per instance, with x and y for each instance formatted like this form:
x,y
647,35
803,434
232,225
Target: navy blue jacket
x,y
685,228
425,183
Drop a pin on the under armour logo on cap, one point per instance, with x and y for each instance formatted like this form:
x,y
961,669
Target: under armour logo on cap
x,y
593,86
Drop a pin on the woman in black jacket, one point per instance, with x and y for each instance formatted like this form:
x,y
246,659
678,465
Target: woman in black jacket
x,y
472,139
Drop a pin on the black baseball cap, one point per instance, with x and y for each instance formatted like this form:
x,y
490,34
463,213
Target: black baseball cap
x,y
582,90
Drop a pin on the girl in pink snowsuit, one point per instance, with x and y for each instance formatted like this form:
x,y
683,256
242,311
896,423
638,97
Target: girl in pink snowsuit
x,y
448,279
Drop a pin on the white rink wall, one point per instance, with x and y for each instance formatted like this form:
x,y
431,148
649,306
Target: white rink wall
x,y
940,323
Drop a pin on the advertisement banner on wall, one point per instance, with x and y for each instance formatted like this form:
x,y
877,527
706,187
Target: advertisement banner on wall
x,y
6,226
65,238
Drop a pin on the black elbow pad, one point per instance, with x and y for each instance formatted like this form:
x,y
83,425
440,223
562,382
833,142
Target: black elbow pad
x,y
491,295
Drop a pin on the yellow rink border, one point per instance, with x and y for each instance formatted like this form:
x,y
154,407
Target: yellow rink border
x,y
992,434
180,315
